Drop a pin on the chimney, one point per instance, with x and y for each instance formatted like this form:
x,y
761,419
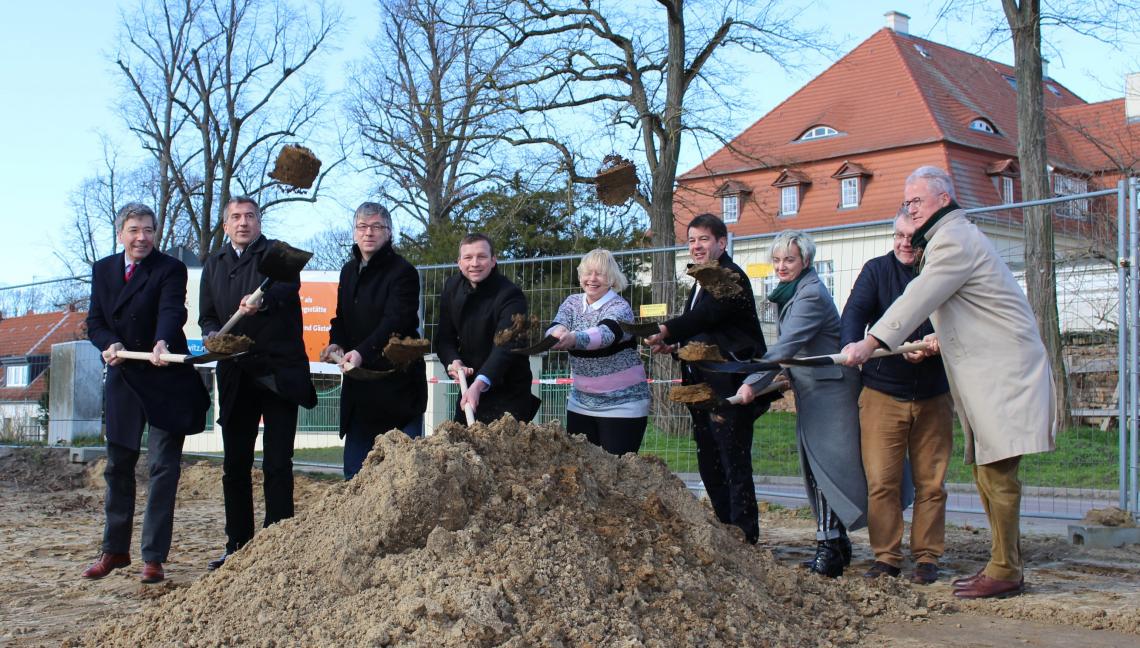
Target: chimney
x,y
1132,98
898,22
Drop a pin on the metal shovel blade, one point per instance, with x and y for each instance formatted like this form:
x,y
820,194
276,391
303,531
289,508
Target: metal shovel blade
x,y
211,357
542,345
645,329
283,262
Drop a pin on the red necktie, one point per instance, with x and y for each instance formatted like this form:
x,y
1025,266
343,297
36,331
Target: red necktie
x,y
130,272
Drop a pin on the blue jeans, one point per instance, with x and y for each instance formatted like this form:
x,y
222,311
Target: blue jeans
x,y
360,438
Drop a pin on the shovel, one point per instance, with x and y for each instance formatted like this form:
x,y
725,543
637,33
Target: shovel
x,y
282,262
645,329
712,401
350,370
468,411
810,361
180,358
542,345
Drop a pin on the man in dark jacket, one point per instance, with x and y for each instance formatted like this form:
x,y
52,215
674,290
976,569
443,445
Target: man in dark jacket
x,y
905,408
268,384
138,303
724,437
378,297
474,305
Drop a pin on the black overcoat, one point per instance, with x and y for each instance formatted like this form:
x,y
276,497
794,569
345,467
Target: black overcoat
x,y
371,306
138,313
469,317
277,355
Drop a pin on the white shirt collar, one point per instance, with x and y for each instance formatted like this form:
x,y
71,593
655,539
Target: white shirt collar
x,y
586,306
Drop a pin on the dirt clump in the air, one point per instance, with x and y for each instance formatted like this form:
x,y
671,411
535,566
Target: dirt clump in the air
x,y
719,281
403,351
41,469
700,352
696,395
227,343
1112,516
509,534
518,332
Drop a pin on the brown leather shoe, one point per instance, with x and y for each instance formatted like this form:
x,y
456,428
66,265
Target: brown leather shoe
x,y
152,572
880,568
966,580
986,587
924,573
107,563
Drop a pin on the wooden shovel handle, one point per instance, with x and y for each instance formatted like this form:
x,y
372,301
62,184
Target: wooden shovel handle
x,y
468,411
146,355
233,320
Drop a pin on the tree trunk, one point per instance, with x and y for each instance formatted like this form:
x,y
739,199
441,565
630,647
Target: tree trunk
x,y
1040,277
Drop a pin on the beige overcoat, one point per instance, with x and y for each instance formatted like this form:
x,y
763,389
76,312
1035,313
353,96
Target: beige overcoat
x,y
995,361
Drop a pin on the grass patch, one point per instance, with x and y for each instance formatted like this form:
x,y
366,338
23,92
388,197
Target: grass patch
x,y
330,455
1085,457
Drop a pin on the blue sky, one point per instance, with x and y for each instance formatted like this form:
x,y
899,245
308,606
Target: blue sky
x,y
59,86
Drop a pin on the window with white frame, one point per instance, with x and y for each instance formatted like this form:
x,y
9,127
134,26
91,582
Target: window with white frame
x,y
849,192
1007,190
16,376
818,132
1064,185
730,208
789,200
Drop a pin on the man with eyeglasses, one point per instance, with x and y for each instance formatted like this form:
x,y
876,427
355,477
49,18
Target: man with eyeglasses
x,y
996,364
378,296
268,384
905,410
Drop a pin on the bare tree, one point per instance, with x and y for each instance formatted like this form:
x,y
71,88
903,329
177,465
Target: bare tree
x,y
423,107
331,247
213,88
1023,23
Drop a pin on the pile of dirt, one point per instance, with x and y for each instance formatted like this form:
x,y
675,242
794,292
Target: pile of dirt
x,y
41,469
719,281
1113,516
700,352
402,352
518,333
508,534
228,343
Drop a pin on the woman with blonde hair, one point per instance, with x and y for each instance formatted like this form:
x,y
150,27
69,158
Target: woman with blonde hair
x,y
609,398
827,410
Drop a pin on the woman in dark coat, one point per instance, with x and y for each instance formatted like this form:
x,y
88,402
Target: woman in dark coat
x,y
827,410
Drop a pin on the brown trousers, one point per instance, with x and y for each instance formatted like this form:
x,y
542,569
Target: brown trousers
x,y
1000,491
890,430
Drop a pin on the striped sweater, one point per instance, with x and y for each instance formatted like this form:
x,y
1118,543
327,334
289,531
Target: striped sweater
x,y
609,385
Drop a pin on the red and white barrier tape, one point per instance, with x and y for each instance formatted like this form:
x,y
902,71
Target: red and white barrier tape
x,y
550,381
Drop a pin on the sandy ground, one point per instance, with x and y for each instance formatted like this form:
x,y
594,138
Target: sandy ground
x,y
51,525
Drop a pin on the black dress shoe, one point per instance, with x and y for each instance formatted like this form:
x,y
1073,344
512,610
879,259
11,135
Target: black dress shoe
x,y
828,560
218,562
843,543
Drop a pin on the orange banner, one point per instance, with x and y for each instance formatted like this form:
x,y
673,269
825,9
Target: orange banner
x,y
318,306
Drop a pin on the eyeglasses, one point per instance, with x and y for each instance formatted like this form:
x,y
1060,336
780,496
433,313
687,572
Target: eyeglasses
x,y
364,227
917,202
902,237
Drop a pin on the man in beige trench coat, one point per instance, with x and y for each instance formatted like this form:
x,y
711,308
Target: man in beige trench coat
x,y
996,364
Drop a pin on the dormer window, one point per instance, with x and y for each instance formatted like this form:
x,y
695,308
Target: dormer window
x,y
791,184
983,126
16,376
852,178
731,194
818,132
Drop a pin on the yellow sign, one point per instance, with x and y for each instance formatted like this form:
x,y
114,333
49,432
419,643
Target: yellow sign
x,y
758,270
654,310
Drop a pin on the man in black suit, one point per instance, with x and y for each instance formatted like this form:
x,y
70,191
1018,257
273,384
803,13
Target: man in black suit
x,y
138,302
724,437
267,384
378,296
474,305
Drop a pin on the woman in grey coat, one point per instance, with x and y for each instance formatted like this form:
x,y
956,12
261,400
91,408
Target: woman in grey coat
x,y
827,411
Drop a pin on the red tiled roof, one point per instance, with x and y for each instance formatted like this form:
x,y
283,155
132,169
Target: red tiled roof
x,y
1096,137
893,90
34,334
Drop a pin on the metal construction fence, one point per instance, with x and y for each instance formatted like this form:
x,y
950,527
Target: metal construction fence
x,y
1096,241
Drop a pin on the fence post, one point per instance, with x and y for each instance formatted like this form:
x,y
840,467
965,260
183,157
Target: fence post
x,y
1122,355
1134,342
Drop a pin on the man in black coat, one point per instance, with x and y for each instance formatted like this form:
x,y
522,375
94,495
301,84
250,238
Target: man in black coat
x,y
268,384
475,305
723,437
905,409
378,296
138,303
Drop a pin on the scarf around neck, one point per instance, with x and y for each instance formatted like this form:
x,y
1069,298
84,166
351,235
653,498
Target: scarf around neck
x,y
785,289
918,240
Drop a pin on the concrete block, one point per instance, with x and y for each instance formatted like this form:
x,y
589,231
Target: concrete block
x,y
76,392
1102,537
87,454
